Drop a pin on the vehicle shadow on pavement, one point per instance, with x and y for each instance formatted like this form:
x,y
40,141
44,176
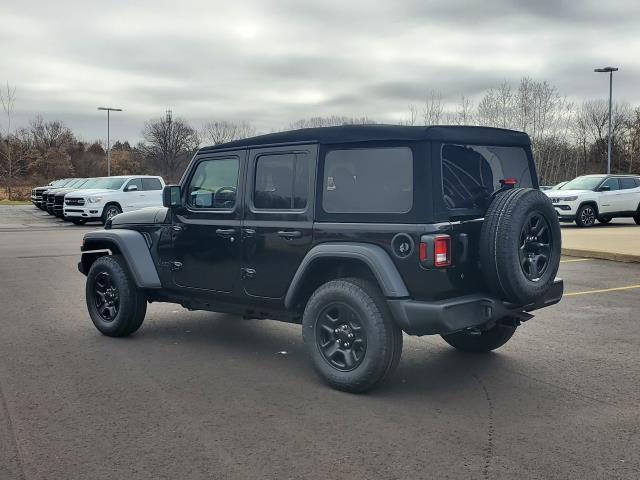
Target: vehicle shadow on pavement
x,y
432,369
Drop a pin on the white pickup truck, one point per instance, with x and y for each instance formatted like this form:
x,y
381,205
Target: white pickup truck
x,y
589,198
110,196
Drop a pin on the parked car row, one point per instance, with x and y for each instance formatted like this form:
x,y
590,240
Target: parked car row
x,y
589,198
80,200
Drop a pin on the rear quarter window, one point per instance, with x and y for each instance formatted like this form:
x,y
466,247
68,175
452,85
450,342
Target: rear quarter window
x,y
470,172
368,180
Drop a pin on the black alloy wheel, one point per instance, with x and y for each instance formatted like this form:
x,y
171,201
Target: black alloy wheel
x,y
535,251
340,337
106,297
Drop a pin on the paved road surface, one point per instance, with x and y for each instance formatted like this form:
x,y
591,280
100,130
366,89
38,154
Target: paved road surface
x,y
199,395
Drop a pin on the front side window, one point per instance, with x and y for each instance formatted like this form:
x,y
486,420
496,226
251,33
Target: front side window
x,y
612,183
137,182
471,173
368,180
281,182
214,184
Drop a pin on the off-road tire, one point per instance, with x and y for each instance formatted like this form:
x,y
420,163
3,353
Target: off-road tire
x,y
383,336
486,341
501,250
586,216
106,211
132,303
78,221
604,220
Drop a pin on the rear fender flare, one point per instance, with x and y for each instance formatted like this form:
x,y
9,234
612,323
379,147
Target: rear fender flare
x,y
374,256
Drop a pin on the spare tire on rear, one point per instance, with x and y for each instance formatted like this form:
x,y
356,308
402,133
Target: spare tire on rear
x,y
520,245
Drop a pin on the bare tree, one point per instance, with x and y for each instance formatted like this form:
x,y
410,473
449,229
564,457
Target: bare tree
x,y
168,144
13,159
433,108
464,111
222,131
331,121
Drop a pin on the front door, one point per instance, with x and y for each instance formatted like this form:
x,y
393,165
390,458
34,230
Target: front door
x,y
610,199
133,195
278,226
206,233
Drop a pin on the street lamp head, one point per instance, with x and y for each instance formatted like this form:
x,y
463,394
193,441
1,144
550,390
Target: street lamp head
x,y
110,109
606,69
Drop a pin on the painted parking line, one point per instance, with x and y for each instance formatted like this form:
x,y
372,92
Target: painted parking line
x,y
604,290
573,260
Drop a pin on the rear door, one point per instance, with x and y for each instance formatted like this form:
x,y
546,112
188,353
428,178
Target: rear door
x,y
629,194
152,192
278,225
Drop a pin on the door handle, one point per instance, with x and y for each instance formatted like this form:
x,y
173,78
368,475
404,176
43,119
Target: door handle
x,y
225,232
289,234
176,228
248,232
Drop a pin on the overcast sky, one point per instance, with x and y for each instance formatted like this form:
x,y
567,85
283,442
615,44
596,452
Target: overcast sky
x,y
271,62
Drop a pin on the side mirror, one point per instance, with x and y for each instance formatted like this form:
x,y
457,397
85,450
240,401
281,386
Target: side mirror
x,y
171,196
131,188
604,188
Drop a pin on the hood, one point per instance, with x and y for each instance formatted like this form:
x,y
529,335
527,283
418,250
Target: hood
x,y
93,191
148,215
63,191
566,193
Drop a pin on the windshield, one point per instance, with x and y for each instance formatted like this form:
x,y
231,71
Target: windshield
x,y
75,183
87,183
107,183
60,183
582,183
471,173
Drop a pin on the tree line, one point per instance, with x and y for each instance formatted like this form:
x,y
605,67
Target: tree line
x,y
568,138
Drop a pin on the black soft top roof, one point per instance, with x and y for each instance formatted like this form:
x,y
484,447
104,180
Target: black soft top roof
x,y
371,133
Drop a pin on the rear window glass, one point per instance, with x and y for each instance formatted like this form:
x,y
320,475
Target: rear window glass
x,y
470,173
281,181
368,180
627,183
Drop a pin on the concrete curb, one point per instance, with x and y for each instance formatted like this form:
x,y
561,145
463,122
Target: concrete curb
x,y
616,257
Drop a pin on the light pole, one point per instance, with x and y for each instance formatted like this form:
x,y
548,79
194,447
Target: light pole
x,y
109,110
609,70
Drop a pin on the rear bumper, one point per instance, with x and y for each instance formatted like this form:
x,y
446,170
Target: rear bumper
x,y
452,315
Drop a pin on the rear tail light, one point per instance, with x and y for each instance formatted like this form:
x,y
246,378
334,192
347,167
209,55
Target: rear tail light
x,y
435,251
442,251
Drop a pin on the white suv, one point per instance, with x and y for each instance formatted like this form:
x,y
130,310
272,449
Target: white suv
x,y
110,196
602,197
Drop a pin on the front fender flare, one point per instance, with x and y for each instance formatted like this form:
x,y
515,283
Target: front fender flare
x,y
374,256
133,247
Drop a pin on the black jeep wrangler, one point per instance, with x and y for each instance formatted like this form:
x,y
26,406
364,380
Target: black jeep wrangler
x,y
357,232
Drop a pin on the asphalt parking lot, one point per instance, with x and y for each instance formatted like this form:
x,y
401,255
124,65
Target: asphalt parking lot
x,y
201,395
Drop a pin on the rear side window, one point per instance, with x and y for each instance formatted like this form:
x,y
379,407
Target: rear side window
x,y
368,180
214,184
472,172
281,182
626,183
151,184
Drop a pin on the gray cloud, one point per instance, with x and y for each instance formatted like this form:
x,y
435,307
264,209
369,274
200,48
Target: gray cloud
x,y
273,61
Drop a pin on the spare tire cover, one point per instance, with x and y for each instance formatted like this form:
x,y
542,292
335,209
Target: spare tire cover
x,y
520,245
